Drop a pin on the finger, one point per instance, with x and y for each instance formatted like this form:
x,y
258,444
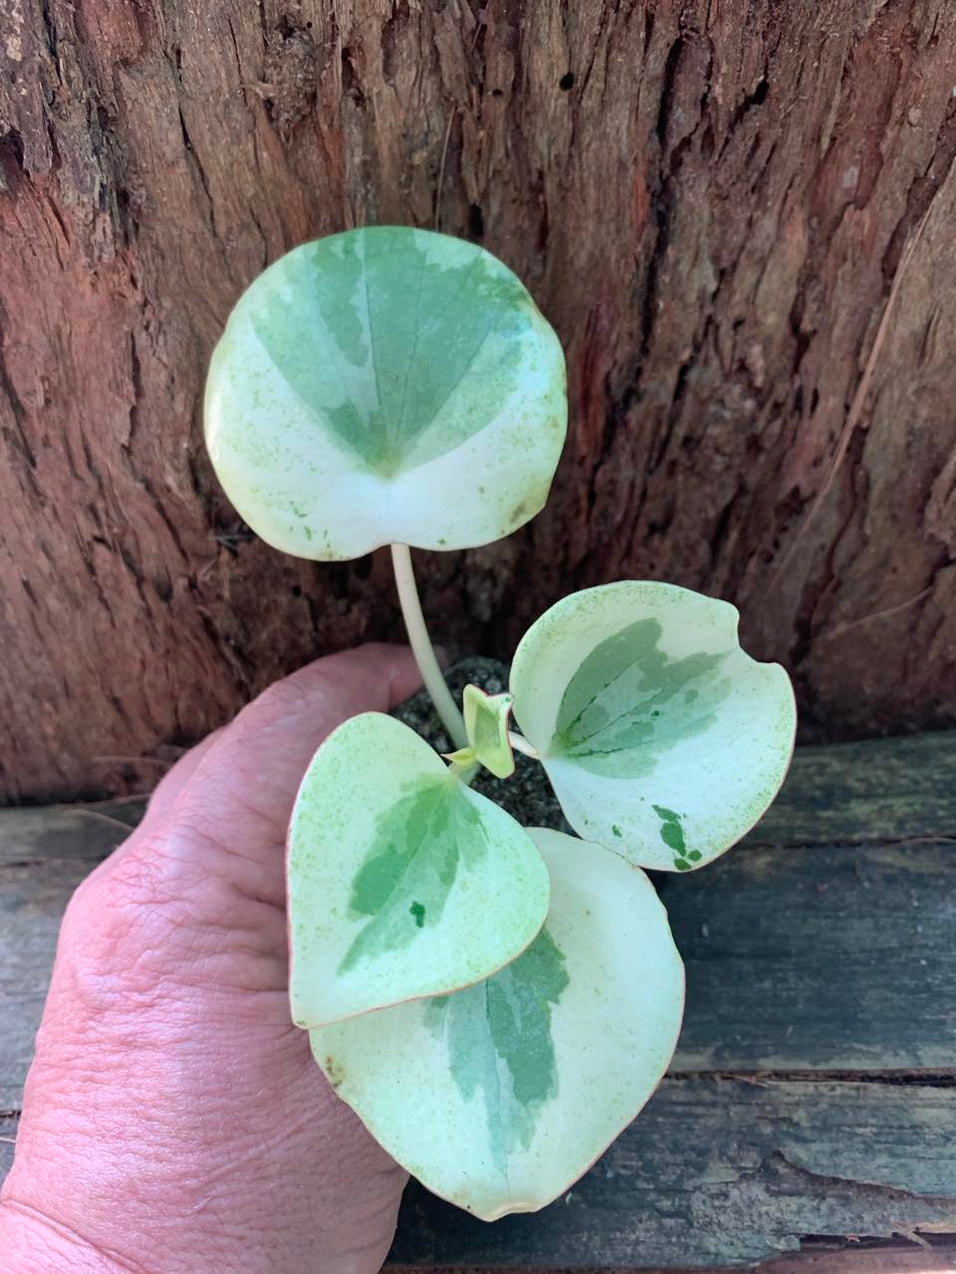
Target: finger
x,y
167,791
161,803
241,792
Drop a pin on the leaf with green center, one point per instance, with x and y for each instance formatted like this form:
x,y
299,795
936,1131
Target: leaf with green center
x,y
663,740
402,881
386,385
500,1096
486,724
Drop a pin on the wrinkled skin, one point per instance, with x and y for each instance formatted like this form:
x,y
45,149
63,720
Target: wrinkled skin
x,y
174,1120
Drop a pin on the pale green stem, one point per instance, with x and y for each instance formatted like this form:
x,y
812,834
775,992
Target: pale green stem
x,y
422,648
521,744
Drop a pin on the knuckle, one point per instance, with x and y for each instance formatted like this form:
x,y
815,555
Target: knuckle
x,y
131,927
303,690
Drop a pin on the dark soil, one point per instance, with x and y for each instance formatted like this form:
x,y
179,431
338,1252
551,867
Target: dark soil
x,y
527,795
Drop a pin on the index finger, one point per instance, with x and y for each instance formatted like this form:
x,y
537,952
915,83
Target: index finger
x,y
241,792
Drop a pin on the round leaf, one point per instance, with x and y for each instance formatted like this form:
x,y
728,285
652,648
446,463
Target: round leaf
x,y
502,1095
663,740
402,881
386,385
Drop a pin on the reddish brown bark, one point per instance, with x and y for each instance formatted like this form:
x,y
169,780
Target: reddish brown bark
x,y
711,202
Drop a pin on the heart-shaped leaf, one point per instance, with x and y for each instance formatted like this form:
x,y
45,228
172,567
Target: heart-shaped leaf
x,y
502,1095
663,740
402,881
386,385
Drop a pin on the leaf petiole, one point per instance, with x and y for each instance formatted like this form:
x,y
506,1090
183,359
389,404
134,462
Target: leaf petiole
x,y
521,744
422,648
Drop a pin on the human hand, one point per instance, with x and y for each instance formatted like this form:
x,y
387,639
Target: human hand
x,y
174,1120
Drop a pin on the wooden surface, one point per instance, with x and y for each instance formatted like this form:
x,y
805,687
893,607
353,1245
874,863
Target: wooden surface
x,y
714,204
860,1257
866,1260
876,791
721,1171
812,1100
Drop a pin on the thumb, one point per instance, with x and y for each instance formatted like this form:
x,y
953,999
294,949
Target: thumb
x,y
241,789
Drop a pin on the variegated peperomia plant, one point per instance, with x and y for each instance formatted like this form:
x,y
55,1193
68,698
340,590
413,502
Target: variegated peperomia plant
x,y
496,1002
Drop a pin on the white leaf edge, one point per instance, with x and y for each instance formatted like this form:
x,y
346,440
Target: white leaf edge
x,y
693,778
392,1070
346,509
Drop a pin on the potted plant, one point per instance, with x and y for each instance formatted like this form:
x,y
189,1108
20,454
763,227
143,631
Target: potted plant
x,y
496,1002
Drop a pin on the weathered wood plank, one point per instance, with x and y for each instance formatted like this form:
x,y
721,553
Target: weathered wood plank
x,y
88,832
8,1135
845,793
830,959
32,900
717,1172
875,790
889,1258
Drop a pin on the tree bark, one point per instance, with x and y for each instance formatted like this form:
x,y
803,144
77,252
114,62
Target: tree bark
x,y
738,215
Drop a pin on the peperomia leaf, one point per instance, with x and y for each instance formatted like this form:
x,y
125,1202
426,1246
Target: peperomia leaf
x,y
663,740
402,881
535,1071
385,385
486,724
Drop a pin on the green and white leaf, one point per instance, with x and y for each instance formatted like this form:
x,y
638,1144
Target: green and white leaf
x,y
663,740
486,725
402,881
500,1096
386,385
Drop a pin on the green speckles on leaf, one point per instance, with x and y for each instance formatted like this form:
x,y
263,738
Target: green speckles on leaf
x,y
616,830
367,383
408,874
628,702
376,330
639,692
672,834
499,1041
